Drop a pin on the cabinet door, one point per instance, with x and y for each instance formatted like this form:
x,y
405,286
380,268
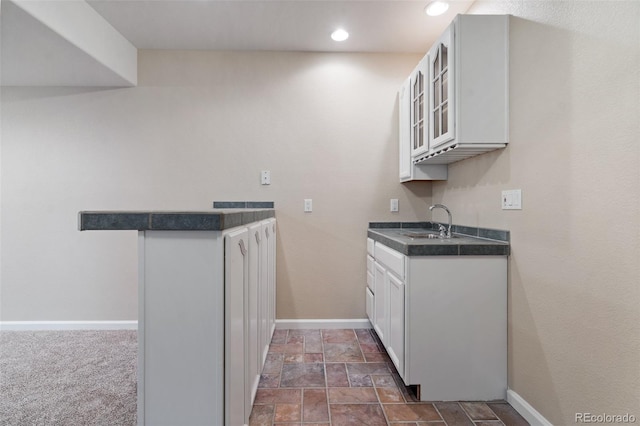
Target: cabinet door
x,y
404,128
369,301
236,258
418,108
441,87
272,277
380,302
264,298
395,347
253,300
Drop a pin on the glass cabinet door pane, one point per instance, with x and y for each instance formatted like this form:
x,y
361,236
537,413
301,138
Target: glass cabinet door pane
x,y
444,57
445,86
436,122
445,117
420,82
436,92
421,107
415,137
421,135
436,63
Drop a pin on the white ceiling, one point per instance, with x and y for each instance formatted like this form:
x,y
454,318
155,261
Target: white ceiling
x,y
301,25
34,54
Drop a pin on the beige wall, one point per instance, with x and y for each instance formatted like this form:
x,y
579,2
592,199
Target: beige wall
x,y
200,127
574,280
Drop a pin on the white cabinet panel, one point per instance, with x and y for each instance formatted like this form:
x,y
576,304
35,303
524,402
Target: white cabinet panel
x,y
380,302
369,305
181,293
395,347
253,301
237,397
456,327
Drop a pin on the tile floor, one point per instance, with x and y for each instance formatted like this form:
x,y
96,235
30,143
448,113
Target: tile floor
x,y
344,377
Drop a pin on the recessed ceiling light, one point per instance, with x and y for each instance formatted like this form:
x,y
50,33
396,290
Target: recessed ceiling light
x,y
436,8
339,35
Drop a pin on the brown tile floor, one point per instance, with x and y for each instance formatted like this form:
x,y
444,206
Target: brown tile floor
x,y
344,377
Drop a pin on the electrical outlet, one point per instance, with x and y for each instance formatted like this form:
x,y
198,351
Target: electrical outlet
x,y
265,177
308,205
394,205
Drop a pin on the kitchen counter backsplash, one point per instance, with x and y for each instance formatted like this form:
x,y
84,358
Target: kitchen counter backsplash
x,y
491,234
243,204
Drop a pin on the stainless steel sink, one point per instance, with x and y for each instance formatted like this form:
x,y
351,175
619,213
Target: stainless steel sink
x,y
423,234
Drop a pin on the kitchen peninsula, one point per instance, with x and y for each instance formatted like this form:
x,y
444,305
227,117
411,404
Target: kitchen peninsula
x,y
206,296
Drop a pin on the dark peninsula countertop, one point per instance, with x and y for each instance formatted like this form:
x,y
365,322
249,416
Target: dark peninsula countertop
x,y
466,241
213,220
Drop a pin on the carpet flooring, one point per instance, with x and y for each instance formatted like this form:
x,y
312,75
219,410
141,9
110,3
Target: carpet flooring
x,y
68,378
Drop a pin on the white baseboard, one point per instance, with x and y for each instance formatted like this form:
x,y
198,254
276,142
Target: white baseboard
x,y
67,325
322,323
525,409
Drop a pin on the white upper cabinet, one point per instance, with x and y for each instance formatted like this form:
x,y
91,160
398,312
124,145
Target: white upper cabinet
x,y
441,99
457,105
413,129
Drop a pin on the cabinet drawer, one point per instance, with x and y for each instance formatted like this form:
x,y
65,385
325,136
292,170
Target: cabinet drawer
x,y
370,246
370,264
393,260
370,280
369,305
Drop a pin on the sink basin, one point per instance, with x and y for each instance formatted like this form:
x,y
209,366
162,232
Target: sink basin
x,y
420,234
423,234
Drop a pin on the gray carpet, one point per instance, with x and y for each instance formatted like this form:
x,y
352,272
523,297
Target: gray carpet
x,y
68,378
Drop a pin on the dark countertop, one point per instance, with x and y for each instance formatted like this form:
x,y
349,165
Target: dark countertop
x,y
466,241
213,220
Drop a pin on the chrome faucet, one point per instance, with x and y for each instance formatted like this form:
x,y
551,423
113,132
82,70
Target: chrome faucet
x,y
442,206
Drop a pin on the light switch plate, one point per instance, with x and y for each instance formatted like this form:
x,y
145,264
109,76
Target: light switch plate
x,y
511,199
394,205
308,205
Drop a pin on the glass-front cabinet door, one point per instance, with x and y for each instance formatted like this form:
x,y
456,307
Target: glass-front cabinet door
x,y
419,98
441,99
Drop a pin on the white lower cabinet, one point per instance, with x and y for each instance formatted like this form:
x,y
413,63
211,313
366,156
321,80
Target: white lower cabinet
x,y
443,322
206,315
388,302
249,314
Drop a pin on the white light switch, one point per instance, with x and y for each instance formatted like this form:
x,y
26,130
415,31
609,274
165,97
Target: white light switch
x,y
511,199
394,205
265,177
308,205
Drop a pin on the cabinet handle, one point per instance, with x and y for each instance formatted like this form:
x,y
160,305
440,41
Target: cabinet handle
x,y
257,237
243,249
